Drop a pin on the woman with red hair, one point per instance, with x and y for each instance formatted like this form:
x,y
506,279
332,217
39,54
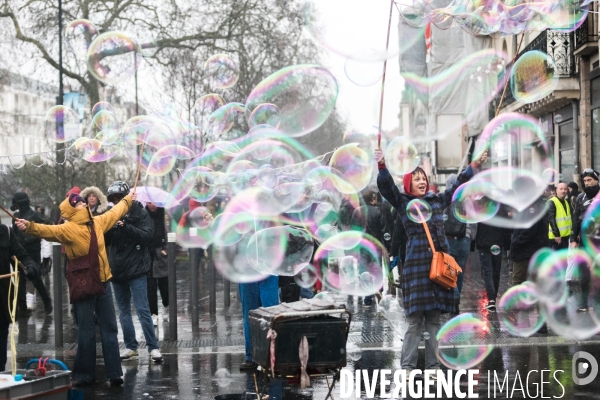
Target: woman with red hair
x,y
423,299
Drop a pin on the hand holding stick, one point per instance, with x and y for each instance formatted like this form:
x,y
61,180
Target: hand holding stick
x,y
9,275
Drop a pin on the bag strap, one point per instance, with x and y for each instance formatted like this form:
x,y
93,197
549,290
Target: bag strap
x,y
426,229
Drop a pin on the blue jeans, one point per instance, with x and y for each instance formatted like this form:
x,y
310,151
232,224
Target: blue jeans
x,y
459,249
491,265
85,360
254,295
138,290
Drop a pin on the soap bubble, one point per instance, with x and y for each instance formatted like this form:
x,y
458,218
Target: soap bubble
x,y
325,296
350,263
390,309
223,377
222,71
464,341
470,203
112,57
590,228
363,73
354,353
387,236
102,106
354,165
105,119
533,76
264,324
204,107
304,94
495,249
267,114
61,124
418,211
558,118
305,275
519,310
426,335
401,156
79,34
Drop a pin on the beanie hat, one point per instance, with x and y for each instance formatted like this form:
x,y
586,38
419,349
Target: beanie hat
x,y
590,172
407,178
20,198
573,186
75,198
74,189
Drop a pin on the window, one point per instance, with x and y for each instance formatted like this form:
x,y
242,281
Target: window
x,y
566,150
595,89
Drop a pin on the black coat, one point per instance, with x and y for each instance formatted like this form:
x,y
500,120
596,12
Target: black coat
x,y
31,244
525,242
399,237
9,246
582,202
129,255
376,223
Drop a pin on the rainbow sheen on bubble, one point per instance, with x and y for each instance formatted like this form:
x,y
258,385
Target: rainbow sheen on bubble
x,y
519,310
464,341
222,71
305,275
79,34
104,119
61,124
350,263
304,94
470,203
354,165
265,114
418,211
401,156
113,57
533,76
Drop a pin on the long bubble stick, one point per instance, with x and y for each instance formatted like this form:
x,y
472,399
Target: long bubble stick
x,y
8,212
387,43
508,79
137,175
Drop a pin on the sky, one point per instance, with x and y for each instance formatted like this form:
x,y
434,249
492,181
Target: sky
x,y
353,31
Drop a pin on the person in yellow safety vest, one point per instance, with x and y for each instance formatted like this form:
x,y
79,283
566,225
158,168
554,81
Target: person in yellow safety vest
x,y
559,216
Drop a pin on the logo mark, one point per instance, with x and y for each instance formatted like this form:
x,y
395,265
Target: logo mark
x,y
581,367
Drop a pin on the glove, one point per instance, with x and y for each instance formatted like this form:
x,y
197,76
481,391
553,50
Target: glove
x,y
31,270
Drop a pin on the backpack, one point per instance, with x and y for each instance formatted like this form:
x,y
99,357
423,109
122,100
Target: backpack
x,y
452,226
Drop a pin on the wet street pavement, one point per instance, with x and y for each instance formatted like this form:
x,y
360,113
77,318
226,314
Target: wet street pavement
x,y
190,363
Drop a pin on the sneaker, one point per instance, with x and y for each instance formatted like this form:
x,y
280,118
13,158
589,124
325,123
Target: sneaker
x,y
582,309
248,366
166,313
154,319
491,305
433,374
127,354
156,356
77,383
116,381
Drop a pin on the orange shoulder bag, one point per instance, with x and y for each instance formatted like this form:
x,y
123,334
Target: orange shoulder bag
x,y
444,269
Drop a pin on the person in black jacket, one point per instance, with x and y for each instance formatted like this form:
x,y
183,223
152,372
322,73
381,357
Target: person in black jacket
x,y
130,261
490,242
376,224
9,247
573,193
581,205
158,275
33,246
524,244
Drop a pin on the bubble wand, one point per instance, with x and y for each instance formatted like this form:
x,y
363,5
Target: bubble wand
x,y
137,175
8,212
387,43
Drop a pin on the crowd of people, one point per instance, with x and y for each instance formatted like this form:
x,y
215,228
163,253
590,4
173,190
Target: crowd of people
x,y
127,243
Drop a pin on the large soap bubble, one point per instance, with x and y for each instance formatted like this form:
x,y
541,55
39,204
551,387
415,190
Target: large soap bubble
x,y
401,156
464,341
61,124
79,34
222,71
304,94
112,57
533,77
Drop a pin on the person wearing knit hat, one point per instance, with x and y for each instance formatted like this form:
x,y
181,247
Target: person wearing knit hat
x,y
423,299
580,207
74,189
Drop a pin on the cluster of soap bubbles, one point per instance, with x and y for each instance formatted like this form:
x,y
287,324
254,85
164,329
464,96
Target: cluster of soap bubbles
x,y
497,18
507,196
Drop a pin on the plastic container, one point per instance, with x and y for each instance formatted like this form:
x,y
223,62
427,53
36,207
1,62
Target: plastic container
x,y
54,386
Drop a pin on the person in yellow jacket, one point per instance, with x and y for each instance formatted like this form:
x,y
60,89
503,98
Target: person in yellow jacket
x,y
559,217
75,235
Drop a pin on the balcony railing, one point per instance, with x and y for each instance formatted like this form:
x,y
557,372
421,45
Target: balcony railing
x,y
586,33
557,45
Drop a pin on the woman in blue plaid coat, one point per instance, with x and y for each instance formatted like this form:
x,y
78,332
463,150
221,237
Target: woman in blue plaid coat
x,y
423,299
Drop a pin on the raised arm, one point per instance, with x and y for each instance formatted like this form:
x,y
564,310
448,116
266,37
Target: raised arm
x,y
388,189
110,218
465,176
